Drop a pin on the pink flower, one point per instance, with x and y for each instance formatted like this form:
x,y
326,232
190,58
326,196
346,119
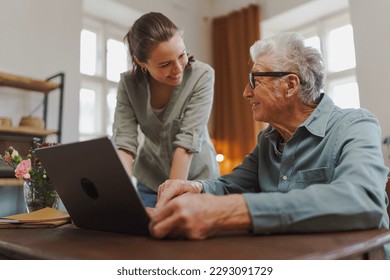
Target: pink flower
x,y
7,157
22,171
13,157
14,153
30,169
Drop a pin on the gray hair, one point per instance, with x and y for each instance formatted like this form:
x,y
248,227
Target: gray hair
x,y
289,53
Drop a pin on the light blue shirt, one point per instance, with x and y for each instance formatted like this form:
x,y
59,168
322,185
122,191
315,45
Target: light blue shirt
x,y
330,176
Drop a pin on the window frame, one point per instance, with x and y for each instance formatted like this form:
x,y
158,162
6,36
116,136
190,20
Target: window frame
x,y
322,27
104,31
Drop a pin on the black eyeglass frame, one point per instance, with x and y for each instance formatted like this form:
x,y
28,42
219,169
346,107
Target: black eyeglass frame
x,y
252,76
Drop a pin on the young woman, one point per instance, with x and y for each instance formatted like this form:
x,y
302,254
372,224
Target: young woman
x,y
168,97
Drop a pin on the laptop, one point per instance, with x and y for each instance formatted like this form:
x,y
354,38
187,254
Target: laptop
x,y
94,187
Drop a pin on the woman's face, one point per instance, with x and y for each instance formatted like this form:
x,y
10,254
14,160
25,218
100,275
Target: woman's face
x,y
167,61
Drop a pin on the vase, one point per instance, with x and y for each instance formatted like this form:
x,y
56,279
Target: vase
x,y
38,196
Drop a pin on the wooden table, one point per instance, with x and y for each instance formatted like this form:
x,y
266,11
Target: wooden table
x,y
70,242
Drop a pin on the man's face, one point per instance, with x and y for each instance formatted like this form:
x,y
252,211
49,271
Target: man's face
x,y
266,98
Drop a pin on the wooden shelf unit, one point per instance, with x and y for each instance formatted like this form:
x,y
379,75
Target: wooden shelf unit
x,y
41,86
11,182
20,82
26,130
22,137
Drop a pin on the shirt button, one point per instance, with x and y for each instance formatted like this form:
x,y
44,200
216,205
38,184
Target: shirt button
x,y
284,178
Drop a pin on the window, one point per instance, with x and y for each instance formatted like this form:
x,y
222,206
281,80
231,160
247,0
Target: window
x,y
88,52
103,57
341,49
333,36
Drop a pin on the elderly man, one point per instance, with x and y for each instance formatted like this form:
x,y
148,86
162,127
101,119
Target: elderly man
x,y
315,168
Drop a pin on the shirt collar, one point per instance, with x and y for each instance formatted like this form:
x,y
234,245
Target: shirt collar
x,y
316,123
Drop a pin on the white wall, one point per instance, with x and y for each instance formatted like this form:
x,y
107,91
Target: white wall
x,y
189,15
40,38
194,17
371,23
294,16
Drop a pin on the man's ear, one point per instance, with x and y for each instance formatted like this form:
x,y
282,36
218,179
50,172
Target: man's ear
x,y
292,85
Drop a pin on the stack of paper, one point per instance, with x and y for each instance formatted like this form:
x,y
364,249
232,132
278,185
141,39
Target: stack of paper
x,y
46,217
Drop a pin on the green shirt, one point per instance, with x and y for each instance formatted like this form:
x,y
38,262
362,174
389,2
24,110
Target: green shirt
x,y
183,123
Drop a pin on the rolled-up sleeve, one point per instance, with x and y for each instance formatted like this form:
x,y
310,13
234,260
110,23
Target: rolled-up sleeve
x,y
196,114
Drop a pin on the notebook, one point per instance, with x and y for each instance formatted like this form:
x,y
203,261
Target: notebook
x,y
94,187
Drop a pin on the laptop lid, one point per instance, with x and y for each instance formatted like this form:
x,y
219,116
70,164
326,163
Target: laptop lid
x,y
94,187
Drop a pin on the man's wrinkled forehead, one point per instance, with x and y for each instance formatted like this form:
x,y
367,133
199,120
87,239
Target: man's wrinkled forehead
x,y
260,65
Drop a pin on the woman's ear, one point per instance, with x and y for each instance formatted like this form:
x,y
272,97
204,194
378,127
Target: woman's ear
x,y
141,64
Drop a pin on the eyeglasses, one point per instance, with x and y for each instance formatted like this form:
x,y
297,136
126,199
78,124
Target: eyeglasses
x,y
252,76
